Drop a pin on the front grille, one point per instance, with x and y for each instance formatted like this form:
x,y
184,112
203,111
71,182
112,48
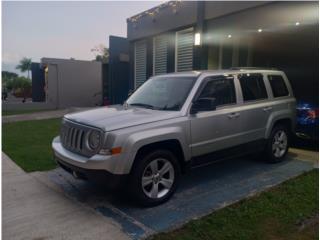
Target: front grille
x,y
74,137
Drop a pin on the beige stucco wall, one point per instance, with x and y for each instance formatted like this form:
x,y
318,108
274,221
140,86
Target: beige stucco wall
x,y
73,83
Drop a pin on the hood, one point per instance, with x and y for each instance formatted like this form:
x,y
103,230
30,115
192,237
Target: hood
x,y
117,117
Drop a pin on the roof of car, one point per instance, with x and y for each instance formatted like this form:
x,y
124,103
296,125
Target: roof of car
x,y
220,72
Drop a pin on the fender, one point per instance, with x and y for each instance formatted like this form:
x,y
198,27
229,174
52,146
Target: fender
x,y
139,139
276,116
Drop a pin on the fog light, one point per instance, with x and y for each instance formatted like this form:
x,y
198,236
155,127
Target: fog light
x,y
105,152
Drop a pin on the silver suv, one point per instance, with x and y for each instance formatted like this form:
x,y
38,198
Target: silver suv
x,y
177,121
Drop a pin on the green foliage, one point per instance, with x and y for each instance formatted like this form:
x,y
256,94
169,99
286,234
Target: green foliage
x,y
274,214
7,79
6,75
29,143
25,65
20,84
101,53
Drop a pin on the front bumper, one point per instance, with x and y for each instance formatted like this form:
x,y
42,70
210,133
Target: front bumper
x,y
111,181
98,168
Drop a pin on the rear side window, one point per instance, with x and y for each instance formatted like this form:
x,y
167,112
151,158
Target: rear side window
x,y
221,88
252,86
278,86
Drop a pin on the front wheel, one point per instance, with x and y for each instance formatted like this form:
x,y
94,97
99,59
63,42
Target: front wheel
x,y
278,144
155,177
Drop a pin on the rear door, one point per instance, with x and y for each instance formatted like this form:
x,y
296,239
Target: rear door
x,y
255,108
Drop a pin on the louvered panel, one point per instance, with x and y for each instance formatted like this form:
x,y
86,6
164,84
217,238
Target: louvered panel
x,y
140,63
184,50
160,52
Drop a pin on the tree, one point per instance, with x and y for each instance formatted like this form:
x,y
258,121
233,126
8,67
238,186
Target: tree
x,y
7,79
8,75
25,65
101,53
21,87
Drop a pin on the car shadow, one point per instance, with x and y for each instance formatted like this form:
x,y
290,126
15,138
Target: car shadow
x,y
305,144
197,181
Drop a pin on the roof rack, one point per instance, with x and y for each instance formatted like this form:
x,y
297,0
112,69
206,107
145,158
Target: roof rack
x,y
252,68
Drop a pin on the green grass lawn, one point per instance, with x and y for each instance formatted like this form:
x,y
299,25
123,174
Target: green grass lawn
x,y
17,112
29,143
278,214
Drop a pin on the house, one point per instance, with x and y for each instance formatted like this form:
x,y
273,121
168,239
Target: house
x,y
188,35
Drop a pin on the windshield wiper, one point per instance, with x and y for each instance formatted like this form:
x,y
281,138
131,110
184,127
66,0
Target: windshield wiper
x,y
142,105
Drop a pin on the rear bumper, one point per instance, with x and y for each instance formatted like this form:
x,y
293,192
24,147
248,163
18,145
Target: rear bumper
x,y
107,179
307,131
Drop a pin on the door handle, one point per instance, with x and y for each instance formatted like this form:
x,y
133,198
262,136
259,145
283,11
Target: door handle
x,y
267,109
233,115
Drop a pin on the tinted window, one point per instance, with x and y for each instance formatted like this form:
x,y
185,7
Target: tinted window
x,y
252,86
278,86
221,88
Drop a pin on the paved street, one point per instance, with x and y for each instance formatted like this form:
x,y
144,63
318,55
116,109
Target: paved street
x,y
33,210
201,191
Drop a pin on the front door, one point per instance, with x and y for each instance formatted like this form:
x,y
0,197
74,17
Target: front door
x,y
217,129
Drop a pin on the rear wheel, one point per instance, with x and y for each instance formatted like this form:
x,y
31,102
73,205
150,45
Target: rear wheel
x,y
155,177
278,144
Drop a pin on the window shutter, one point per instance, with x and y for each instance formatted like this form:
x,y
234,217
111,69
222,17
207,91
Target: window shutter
x,y
184,50
160,52
140,63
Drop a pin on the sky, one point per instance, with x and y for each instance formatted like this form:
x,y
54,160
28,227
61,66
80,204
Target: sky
x,y
62,29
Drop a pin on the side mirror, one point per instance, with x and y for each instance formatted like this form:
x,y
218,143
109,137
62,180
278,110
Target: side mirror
x,y
203,104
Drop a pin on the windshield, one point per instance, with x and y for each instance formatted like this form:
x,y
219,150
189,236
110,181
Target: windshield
x,y
162,93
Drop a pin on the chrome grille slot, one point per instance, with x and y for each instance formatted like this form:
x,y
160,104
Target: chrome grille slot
x,y
73,137
79,139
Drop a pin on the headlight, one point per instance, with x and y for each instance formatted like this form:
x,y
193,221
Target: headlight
x,y
94,139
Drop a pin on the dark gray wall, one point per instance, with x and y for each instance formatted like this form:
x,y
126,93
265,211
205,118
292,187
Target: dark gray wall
x,y
163,21
118,73
186,14
38,81
214,9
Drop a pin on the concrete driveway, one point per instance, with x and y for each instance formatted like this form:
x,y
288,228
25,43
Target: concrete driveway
x,y
32,210
201,191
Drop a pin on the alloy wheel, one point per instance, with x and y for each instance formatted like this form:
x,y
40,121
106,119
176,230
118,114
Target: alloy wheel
x,y
279,144
158,178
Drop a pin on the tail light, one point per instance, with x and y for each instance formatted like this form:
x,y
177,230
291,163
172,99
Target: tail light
x,y
313,113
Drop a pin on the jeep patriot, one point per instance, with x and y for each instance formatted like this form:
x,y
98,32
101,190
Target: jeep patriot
x,y
177,121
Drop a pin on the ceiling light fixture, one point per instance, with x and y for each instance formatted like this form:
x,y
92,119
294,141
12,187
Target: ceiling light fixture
x,y
229,36
197,39
297,23
259,30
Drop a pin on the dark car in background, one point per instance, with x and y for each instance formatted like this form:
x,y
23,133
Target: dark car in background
x,y
307,121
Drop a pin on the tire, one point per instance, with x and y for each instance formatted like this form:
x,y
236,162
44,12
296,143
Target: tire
x,y
277,144
157,169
